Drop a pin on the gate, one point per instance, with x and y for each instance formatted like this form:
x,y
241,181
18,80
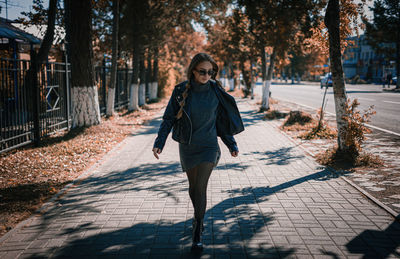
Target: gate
x,y
29,112
19,101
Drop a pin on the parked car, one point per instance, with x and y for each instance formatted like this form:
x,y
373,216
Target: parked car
x,y
326,80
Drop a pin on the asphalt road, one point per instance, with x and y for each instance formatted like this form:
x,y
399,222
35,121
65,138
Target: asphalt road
x,y
386,104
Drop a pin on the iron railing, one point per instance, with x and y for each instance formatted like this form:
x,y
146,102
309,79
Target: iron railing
x,y
31,111
103,79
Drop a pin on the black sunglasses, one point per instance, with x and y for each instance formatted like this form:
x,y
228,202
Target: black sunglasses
x,y
203,72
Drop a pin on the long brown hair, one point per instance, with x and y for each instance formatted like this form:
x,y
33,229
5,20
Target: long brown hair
x,y
197,59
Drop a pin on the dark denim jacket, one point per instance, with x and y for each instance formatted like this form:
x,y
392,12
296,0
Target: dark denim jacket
x,y
228,122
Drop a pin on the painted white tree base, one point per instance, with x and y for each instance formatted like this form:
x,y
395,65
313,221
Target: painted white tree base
x,y
110,101
142,94
231,84
153,90
85,106
133,97
265,95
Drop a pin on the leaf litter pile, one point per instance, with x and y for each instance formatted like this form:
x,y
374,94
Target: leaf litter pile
x,y
31,175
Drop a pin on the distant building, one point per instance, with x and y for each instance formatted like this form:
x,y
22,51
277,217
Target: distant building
x,y
55,53
360,59
14,41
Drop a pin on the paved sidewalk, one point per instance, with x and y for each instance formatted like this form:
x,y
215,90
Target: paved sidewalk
x,y
270,202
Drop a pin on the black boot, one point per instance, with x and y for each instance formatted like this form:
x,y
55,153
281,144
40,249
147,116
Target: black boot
x,y
197,232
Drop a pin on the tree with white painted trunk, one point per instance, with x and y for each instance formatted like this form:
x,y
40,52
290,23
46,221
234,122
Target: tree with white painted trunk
x,y
231,76
142,81
266,78
150,82
154,83
85,101
134,86
114,65
275,24
332,22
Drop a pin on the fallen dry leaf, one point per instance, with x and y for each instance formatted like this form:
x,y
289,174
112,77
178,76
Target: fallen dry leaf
x,y
31,175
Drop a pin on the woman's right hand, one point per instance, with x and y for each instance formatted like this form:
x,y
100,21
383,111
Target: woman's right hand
x,y
156,151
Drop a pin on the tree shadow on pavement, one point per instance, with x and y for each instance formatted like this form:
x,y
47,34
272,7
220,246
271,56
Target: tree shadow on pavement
x,y
281,156
148,127
377,243
251,117
86,196
228,224
231,224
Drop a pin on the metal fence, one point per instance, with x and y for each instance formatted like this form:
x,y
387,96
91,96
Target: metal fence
x,y
103,79
15,121
29,113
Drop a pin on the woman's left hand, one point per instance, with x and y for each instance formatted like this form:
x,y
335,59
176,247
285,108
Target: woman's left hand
x,y
234,153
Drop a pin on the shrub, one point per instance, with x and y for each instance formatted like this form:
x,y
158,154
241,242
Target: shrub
x,y
320,130
275,114
354,137
356,129
297,117
341,160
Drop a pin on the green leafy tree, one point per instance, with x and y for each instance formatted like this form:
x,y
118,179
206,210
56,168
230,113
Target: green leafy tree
x,y
276,24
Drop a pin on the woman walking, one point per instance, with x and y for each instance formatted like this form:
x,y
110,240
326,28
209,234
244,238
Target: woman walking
x,y
198,111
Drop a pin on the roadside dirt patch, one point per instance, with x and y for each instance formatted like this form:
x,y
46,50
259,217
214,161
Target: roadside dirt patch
x,y
382,181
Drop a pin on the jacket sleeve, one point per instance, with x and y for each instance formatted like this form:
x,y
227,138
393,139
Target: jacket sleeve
x,y
230,142
168,121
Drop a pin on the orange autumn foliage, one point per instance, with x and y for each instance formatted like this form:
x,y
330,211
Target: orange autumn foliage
x,y
181,45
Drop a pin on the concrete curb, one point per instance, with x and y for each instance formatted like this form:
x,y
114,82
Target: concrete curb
x,y
393,90
372,198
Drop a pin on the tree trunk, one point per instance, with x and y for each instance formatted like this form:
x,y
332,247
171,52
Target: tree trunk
x,y
267,83
231,77
246,78
85,102
149,75
263,72
134,87
292,73
111,89
41,56
398,60
332,22
154,93
37,59
251,80
49,36
224,76
142,85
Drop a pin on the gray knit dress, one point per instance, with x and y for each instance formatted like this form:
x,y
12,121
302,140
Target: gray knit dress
x,y
204,144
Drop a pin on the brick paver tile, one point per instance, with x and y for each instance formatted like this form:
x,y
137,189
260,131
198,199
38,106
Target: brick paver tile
x,y
273,201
